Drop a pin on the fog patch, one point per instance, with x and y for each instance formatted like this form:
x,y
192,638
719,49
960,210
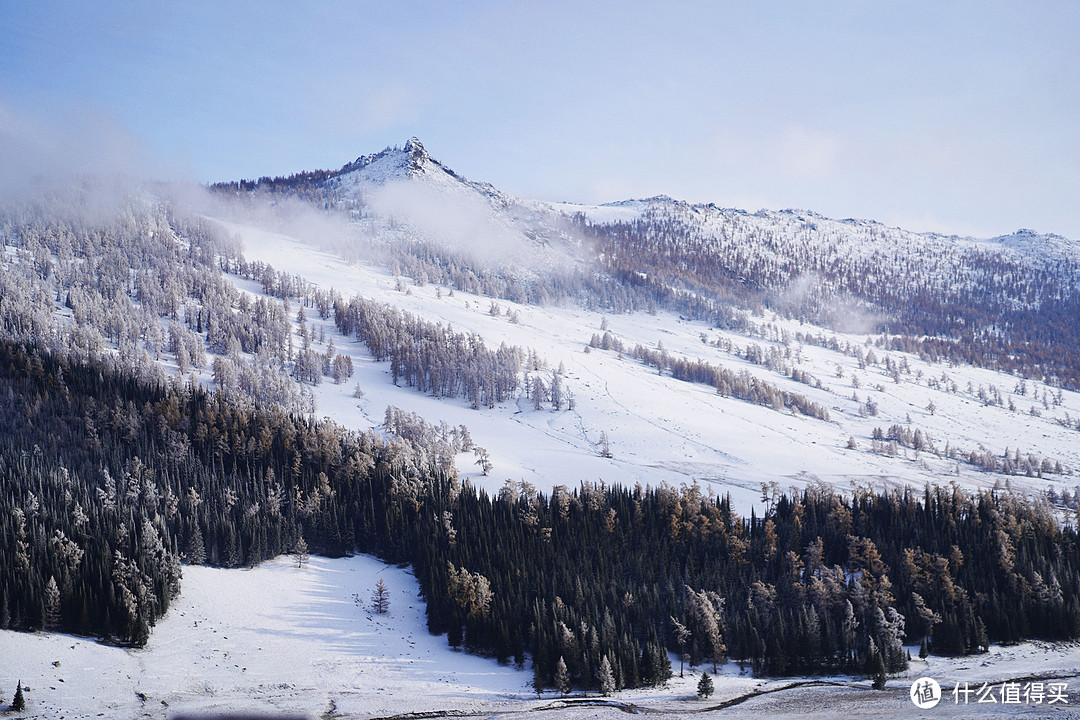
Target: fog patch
x,y
43,154
458,221
809,296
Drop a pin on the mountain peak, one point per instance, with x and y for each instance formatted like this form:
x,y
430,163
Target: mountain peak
x,y
397,164
414,147
416,153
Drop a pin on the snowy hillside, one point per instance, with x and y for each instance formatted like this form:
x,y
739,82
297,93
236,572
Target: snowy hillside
x,y
665,430
844,272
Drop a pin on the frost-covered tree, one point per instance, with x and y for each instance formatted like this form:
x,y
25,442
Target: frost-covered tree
x,y
52,604
483,459
556,391
562,677
604,446
606,677
682,636
300,550
708,608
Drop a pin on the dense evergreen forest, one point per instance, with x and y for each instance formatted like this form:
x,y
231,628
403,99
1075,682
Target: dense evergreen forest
x,y
109,481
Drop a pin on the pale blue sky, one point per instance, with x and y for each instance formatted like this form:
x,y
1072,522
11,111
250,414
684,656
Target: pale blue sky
x,y
952,116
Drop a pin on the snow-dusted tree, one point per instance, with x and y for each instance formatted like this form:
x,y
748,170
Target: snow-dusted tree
x,y
471,591
300,549
52,604
380,598
708,609
927,615
604,445
556,389
538,392
606,677
562,676
483,459
682,636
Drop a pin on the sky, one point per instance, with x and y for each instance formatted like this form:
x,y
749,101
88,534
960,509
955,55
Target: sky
x,y
950,116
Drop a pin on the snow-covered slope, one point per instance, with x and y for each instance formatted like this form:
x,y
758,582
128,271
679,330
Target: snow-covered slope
x,y
665,430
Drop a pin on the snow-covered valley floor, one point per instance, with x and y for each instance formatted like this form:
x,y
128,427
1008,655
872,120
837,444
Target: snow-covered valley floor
x,y
278,640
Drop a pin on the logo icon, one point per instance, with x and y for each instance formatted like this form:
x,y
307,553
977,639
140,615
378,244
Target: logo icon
x,y
925,693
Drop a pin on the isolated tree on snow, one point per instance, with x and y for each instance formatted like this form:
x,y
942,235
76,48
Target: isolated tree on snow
x,y
605,446
300,549
482,459
380,598
18,703
705,686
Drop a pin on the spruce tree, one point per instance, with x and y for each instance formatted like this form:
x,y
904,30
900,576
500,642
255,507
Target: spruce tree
x,y
879,672
380,598
607,678
562,677
538,680
300,549
18,703
52,604
705,686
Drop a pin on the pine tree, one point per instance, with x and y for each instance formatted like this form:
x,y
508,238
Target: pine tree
x,y
52,604
607,678
705,686
196,554
538,680
18,703
380,598
300,549
879,672
562,677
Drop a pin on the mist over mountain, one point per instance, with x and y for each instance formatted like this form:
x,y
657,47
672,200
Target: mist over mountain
x,y
1009,302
